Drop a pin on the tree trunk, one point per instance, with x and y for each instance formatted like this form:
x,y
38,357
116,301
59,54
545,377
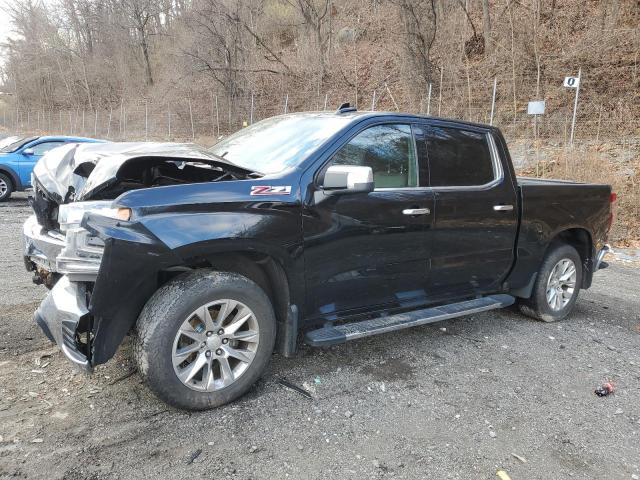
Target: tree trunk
x,y
145,53
486,19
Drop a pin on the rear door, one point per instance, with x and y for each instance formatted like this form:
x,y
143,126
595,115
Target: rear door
x,y
475,212
365,251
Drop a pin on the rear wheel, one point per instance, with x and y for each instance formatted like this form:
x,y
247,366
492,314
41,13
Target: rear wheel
x,y
204,339
557,285
6,187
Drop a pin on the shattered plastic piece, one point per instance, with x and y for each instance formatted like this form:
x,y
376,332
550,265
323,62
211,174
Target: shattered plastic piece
x,y
604,390
193,456
317,381
502,475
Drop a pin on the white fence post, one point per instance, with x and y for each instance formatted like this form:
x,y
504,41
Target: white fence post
x,y
493,101
440,94
169,119
217,119
193,131
575,107
429,100
251,113
146,120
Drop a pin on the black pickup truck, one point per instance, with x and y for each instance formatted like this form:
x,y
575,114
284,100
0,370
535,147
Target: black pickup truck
x,y
331,226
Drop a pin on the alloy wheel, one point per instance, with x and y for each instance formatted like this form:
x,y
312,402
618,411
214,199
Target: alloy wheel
x,y
561,284
215,345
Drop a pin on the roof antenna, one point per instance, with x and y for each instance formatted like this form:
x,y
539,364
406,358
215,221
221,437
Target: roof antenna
x,y
346,107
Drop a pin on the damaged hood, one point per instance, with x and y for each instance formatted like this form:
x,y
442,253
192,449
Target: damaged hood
x,y
74,172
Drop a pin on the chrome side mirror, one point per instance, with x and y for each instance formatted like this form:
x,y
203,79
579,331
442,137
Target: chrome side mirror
x,y
348,179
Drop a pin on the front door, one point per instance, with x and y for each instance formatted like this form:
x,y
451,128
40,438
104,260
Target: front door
x,y
29,156
475,213
365,251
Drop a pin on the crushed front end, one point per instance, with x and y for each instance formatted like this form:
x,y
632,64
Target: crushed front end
x,y
65,258
99,261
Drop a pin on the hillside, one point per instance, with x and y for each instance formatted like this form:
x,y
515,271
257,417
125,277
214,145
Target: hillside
x,y
158,69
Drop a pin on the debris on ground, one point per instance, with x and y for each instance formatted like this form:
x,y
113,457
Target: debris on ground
x,y
518,457
130,373
604,390
502,475
193,456
287,384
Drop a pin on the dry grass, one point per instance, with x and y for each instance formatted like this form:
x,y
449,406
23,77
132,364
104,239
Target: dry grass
x,y
616,165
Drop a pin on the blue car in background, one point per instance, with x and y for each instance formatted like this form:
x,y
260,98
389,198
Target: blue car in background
x,y
18,156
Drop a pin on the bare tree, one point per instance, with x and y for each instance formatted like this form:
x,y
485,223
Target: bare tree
x,y
420,21
137,16
316,16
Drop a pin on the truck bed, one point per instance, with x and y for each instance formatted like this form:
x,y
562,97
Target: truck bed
x,y
551,206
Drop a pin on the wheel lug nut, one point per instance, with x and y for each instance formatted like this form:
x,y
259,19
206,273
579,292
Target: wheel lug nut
x,y
207,353
219,351
221,331
225,340
209,334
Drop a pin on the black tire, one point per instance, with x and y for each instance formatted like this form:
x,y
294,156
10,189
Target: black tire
x,y
537,306
6,189
163,315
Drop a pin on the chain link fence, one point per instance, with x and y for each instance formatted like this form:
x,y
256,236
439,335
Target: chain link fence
x,y
208,116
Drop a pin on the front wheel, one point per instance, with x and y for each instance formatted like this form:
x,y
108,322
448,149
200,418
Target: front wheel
x,y
204,339
557,285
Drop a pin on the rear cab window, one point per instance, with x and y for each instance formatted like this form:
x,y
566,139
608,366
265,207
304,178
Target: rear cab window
x,y
459,157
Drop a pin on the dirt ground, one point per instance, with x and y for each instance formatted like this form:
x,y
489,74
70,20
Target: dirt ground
x,y
459,399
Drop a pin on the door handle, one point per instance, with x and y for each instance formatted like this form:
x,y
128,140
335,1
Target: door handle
x,y
503,208
416,211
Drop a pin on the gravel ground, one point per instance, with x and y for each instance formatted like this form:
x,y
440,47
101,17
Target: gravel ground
x,y
459,399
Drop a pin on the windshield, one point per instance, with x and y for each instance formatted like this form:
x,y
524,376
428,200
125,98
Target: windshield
x,y
8,140
278,143
16,144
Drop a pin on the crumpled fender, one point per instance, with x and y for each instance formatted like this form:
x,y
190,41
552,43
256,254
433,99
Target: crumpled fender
x,y
127,278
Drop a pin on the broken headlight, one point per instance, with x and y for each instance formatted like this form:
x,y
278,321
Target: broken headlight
x,y
70,214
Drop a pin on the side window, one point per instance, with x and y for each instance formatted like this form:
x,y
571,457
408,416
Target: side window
x,y
458,158
44,147
389,151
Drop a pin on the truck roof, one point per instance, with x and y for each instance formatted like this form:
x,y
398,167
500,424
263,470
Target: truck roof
x,y
360,114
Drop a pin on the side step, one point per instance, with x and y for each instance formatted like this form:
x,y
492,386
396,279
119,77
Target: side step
x,y
332,335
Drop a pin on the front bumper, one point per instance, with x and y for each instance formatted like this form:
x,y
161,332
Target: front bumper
x,y
41,247
61,315
77,254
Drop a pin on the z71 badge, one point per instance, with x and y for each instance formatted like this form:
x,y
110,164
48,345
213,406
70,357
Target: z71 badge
x,y
271,190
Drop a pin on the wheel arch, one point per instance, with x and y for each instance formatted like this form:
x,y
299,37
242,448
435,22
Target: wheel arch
x,y
266,271
13,176
581,239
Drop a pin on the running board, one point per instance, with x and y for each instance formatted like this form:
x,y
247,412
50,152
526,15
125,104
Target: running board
x,y
332,335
